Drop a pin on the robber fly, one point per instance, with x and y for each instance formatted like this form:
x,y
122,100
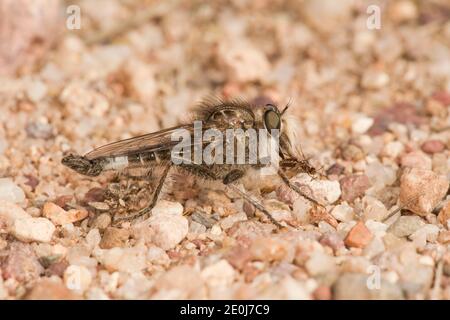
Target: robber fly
x,y
155,150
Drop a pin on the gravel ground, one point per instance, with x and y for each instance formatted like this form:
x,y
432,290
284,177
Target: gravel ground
x,y
374,114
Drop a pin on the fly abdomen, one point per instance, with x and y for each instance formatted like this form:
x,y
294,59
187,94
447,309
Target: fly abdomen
x,y
83,165
115,163
133,160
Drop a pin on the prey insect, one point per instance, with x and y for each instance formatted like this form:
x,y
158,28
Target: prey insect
x,y
156,150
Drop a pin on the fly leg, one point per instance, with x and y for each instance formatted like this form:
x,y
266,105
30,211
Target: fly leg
x,y
296,188
228,181
236,175
152,204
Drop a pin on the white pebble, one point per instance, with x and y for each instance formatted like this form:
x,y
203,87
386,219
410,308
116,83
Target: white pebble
x,y
9,212
129,260
300,209
158,256
168,230
362,124
93,238
343,212
36,90
33,229
229,221
320,263
324,191
167,207
219,274
9,191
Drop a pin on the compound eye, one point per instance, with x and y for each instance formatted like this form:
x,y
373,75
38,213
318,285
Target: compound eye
x,y
272,120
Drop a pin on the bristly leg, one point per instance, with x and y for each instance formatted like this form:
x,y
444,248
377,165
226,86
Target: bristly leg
x,y
228,181
255,203
297,189
153,202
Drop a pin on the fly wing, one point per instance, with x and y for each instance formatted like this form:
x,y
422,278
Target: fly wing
x,y
156,141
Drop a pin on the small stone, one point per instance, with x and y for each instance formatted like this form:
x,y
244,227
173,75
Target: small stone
x,y
196,228
182,282
406,225
59,216
421,190
279,210
374,248
229,221
444,215
95,293
36,90
21,263
393,149
375,79
352,152
416,159
327,15
433,146
428,232
300,210
391,241
93,238
380,175
359,236
100,206
444,237
378,229
335,169
158,256
373,209
128,260
404,113
9,191
167,208
141,79
39,130
322,293
320,264
32,181
49,289
168,230
108,281
323,191
94,195
242,61
403,10
102,221
62,201
57,268
33,229
354,286
362,124
77,278
114,237
269,249
219,274
343,212
332,240
354,186
9,212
